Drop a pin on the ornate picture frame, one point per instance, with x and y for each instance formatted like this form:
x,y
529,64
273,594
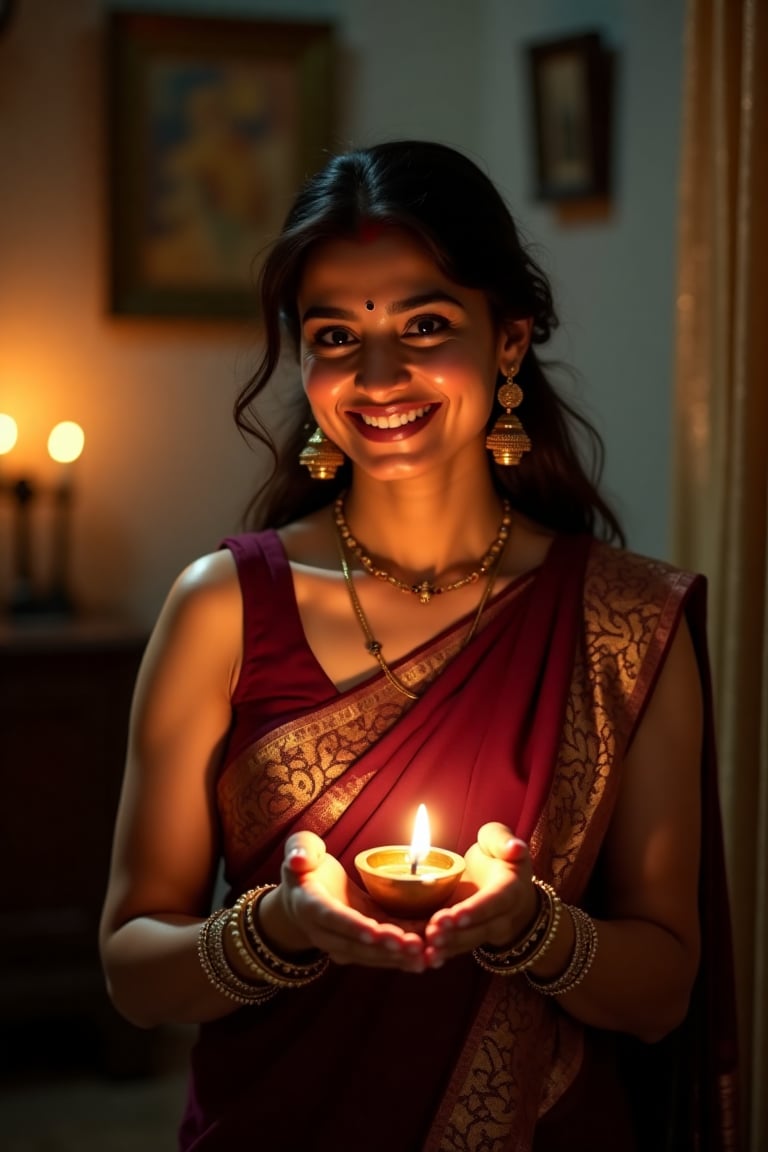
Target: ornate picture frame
x,y
214,123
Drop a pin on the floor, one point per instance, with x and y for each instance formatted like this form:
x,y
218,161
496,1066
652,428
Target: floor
x,y
52,1100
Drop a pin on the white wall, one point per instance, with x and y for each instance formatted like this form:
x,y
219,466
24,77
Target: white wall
x,y
164,473
614,278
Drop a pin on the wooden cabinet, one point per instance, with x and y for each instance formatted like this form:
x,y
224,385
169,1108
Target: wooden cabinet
x,y
65,692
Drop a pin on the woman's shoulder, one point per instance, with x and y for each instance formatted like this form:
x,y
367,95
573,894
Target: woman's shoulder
x,y
206,573
243,545
632,602
250,566
200,621
633,574
632,605
208,583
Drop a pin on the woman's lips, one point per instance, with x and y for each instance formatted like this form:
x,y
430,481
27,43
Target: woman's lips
x,y
393,424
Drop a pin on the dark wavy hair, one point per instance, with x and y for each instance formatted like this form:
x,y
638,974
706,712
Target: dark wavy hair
x,y
456,212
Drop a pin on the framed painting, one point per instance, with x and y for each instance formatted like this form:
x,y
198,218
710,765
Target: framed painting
x,y
214,123
570,87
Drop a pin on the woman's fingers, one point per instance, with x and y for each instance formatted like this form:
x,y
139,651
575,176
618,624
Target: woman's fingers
x,y
351,937
499,903
303,852
344,923
499,841
338,917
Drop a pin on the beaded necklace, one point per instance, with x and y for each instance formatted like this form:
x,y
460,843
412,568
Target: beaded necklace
x,y
489,566
424,589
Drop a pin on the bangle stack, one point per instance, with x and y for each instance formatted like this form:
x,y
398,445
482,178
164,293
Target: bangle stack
x,y
524,952
582,958
270,973
216,966
256,954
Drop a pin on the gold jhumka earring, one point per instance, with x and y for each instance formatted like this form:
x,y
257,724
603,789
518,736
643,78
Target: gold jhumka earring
x,y
508,440
321,456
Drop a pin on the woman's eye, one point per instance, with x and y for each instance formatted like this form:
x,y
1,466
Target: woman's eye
x,y
426,325
334,337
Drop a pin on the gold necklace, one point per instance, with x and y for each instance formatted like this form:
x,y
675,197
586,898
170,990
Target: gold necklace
x,y
374,646
424,589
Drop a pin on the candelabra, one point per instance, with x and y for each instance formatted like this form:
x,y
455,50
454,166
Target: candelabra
x,y
27,598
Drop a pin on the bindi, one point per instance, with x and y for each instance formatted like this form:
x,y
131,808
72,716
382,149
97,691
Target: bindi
x,y
370,305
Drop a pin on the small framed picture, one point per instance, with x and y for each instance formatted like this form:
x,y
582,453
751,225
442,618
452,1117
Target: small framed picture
x,y
214,124
570,87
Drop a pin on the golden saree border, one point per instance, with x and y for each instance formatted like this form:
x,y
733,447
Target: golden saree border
x,y
632,606
303,763
523,1052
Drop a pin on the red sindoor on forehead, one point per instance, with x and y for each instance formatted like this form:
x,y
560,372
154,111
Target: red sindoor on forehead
x,y
369,231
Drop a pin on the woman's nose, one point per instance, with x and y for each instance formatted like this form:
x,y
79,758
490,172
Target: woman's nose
x,y
381,366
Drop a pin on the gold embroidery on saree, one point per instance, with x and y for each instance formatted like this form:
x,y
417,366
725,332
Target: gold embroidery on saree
x,y
629,611
630,606
304,762
480,1118
278,777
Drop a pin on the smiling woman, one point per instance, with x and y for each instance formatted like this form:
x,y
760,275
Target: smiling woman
x,y
427,611
408,385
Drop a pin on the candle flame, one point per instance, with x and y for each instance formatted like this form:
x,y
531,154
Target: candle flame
x,y
65,442
420,845
9,433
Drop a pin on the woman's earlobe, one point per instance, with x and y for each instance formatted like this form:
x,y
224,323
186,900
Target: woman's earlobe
x,y
514,341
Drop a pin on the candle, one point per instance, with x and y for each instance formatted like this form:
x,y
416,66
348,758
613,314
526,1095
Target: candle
x,y
411,880
65,445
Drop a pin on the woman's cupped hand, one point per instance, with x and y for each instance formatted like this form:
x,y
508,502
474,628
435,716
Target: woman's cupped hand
x,y
320,906
494,903
334,914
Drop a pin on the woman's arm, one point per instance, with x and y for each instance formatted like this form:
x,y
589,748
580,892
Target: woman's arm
x,y
648,952
165,847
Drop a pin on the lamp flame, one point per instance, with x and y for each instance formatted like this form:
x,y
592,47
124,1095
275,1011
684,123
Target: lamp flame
x,y
420,842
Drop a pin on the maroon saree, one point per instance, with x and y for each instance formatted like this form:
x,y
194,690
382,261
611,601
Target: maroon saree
x,y
528,724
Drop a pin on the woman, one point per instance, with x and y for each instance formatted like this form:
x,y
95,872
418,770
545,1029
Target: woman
x,y
427,616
